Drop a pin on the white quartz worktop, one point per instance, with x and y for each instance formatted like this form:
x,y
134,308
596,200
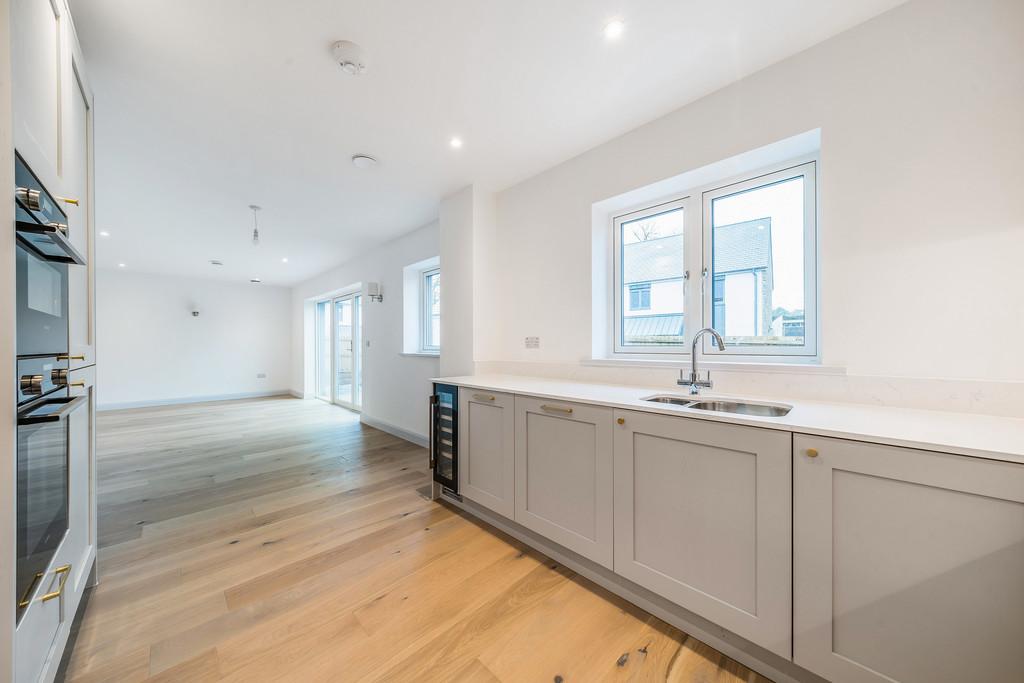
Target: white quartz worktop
x,y
1000,438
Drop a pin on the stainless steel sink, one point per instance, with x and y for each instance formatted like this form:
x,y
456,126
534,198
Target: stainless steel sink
x,y
721,406
743,408
674,400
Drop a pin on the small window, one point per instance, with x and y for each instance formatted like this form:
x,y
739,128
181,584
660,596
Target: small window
x,y
430,317
640,297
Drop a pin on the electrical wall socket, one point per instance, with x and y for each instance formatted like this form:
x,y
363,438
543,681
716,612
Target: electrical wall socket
x,y
533,342
261,375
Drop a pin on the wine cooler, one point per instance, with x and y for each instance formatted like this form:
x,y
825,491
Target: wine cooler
x,y
444,436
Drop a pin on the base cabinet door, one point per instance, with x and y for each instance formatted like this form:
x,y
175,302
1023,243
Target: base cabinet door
x,y
564,474
487,449
703,518
908,565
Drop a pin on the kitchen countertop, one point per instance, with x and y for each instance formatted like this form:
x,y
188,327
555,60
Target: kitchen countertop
x,y
985,436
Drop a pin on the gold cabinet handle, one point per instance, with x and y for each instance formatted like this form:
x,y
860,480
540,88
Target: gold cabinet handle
x,y
26,599
65,572
69,200
812,452
483,397
621,420
77,383
556,409
67,357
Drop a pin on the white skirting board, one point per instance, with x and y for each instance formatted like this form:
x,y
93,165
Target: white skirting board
x,y
394,430
729,644
192,399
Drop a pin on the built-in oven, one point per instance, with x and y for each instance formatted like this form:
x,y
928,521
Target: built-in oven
x,y
42,494
42,259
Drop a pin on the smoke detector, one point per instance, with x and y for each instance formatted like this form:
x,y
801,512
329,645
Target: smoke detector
x,y
349,57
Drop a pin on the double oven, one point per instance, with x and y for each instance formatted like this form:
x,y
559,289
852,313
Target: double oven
x,y
43,258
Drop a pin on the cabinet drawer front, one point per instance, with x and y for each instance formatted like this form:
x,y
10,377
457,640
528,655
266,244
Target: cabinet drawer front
x,y
487,449
564,474
703,518
908,564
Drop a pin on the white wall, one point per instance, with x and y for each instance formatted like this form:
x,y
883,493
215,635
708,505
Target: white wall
x,y
922,217
150,349
395,386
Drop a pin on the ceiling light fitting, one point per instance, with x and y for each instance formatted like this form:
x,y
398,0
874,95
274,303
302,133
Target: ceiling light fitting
x,y
456,143
255,225
363,161
349,57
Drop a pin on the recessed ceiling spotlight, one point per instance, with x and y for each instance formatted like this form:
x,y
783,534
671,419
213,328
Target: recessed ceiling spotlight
x,y
255,280
104,233
363,161
456,143
120,265
284,260
613,29
349,57
215,262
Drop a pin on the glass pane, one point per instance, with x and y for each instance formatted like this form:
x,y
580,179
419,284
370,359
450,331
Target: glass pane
x,y
323,350
652,284
358,304
432,306
344,350
758,265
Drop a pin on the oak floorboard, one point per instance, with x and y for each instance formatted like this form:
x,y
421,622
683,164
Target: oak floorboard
x,y
282,540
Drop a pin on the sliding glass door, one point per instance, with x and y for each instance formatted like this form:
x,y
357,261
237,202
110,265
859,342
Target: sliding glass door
x,y
339,359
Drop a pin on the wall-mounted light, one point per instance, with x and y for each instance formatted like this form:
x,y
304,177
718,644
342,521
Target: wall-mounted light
x,y
373,291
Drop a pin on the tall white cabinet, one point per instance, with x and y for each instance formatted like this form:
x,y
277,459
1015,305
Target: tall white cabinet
x,y
53,131
908,565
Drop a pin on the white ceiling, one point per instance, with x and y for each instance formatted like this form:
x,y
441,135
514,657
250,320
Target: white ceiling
x,y
203,108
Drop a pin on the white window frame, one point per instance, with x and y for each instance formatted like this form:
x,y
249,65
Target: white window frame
x,y
425,312
697,249
683,203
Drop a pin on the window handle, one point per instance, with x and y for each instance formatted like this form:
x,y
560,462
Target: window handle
x,y
686,282
703,281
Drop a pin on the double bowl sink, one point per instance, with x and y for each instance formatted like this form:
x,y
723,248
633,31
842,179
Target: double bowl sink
x,y
724,406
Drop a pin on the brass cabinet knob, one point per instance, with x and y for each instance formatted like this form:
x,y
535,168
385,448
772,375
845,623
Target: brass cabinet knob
x,y
69,200
67,357
621,420
812,452
79,383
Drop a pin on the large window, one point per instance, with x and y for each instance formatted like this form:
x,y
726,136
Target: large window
x,y
430,315
737,256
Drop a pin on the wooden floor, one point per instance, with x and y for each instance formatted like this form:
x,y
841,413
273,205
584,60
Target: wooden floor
x,y
280,540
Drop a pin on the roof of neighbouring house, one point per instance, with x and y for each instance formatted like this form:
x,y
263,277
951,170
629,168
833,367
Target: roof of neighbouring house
x,y
666,325
740,247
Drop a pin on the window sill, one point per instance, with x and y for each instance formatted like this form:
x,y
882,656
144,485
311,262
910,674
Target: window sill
x,y
421,354
794,368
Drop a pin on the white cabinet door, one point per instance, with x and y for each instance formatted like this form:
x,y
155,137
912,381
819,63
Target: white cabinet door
x,y
37,57
487,449
78,186
564,474
908,565
81,537
703,518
